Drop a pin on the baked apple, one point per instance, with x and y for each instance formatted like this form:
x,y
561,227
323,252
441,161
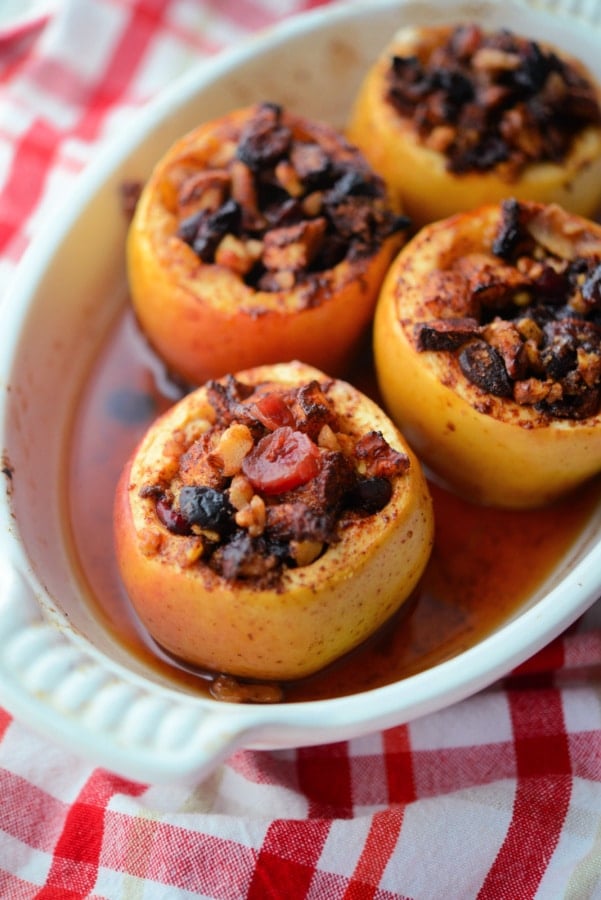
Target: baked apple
x,y
454,118
260,237
488,351
269,522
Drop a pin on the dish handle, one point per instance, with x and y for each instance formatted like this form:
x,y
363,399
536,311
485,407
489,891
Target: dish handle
x,y
80,700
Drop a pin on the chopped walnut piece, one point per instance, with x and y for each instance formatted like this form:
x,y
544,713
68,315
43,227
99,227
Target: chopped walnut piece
x,y
328,439
150,541
312,204
305,552
440,138
283,280
189,551
288,177
244,191
238,255
589,367
379,457
232,446
197,465
293,247
252,516
532,390
241,491
493,59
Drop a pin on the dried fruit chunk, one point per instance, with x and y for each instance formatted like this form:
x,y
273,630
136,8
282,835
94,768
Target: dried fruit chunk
x,y
281,461
259,236
505,405
483,366
454,117
295,558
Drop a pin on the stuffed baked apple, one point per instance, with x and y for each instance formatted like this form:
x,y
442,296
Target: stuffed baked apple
x,y
454,117
259,237
488,350
269,522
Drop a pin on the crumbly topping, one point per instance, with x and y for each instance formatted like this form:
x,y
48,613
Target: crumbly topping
x,y
528,326
277,208
268,485
493,101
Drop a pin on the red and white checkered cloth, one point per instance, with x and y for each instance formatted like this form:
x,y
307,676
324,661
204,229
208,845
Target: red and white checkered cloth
x,y
496,797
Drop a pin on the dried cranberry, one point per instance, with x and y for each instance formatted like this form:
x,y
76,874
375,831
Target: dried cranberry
x,y
171,518
282,461
272,411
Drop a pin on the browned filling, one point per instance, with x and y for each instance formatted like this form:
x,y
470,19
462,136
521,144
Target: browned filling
x,y
530,324
267,483
280,208
493,100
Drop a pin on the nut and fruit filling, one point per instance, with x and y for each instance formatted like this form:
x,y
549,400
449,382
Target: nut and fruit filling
x,y
492,101
266,479
525,320
278,208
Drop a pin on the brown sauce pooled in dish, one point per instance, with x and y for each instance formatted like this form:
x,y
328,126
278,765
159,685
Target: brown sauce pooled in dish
x,y
484,564
493,100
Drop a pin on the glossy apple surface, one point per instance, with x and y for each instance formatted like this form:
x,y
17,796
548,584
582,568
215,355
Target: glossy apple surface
x,y
489,448
418,175
207,318
316,612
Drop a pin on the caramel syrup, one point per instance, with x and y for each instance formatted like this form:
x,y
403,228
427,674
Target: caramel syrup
x,y
485,562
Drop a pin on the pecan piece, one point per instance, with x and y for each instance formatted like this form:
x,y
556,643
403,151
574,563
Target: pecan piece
x,y
381,460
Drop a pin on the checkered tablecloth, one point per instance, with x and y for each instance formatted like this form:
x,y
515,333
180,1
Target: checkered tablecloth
x,y
496,797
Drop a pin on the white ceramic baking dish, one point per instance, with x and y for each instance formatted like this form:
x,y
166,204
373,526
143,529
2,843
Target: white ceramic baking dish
x,y
61,670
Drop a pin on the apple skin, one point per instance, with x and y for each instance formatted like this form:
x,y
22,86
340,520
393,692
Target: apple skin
x,y
489,449
203,320
319,611
417,176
